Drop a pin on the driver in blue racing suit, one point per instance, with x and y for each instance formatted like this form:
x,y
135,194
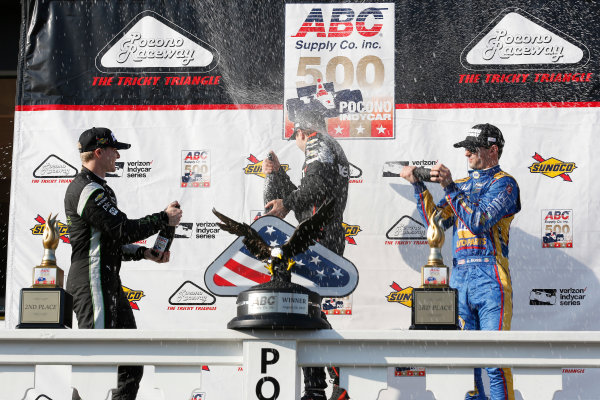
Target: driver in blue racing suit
x,y
480,207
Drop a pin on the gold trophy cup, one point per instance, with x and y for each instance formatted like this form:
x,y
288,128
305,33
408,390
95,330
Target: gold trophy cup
x,y
46,304
434,304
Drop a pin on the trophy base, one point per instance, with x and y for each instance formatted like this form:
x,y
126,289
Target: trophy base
x,y
278,305
435,309
45,308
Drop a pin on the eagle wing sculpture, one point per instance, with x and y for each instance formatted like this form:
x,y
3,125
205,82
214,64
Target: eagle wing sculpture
x,y
309,231
252,239
279,259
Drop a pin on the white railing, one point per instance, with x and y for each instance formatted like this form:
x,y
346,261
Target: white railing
x,y
271,359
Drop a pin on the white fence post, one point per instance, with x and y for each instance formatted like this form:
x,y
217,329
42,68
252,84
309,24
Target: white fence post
x,y
270,370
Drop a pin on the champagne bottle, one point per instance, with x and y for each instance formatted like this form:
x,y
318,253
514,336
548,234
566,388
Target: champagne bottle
x,y
164,240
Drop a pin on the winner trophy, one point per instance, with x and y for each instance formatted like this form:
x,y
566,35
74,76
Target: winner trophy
x,y
279,303
434,304
46,304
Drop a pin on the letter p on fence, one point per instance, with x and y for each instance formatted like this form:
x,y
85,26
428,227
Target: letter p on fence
x,y
264,360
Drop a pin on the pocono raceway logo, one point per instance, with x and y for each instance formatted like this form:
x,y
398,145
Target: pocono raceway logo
x,y
38,229
518,40
54,170
318,269
355,175
133,296
565,297
191,297
400,295
151,43
255,167
406,231
552,167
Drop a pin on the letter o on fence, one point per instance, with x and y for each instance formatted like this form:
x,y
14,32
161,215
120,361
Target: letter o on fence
x,y
259,386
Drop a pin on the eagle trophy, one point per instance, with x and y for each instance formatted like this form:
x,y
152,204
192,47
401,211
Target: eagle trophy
x,y
279,259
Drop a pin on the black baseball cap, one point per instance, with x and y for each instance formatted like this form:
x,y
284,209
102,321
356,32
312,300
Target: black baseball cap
x,y
482,135
310,120
96,138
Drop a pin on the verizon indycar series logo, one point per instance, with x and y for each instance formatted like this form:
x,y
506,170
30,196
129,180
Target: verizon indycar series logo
x,y
131,169
400,295
54,169
38,229
151,43
255,167
190,296
557,228
318,269
565,297
518,40
133,296
552,167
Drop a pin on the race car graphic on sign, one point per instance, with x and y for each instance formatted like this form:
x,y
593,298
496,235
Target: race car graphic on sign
x,y
318,269
151,43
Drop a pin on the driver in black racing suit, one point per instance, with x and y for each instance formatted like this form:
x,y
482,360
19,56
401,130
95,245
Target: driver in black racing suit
x,y
325,176
101,237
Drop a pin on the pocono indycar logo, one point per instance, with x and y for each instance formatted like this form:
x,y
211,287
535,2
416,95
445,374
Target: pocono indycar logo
x,y
151,43
552,167
38,229
255,167
133,296
318,269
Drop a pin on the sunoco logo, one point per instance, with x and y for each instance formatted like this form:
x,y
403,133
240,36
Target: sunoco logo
x,y
399,295
518,40
133,296
552,167
350,232
256,167
151,43
63,230
54,167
